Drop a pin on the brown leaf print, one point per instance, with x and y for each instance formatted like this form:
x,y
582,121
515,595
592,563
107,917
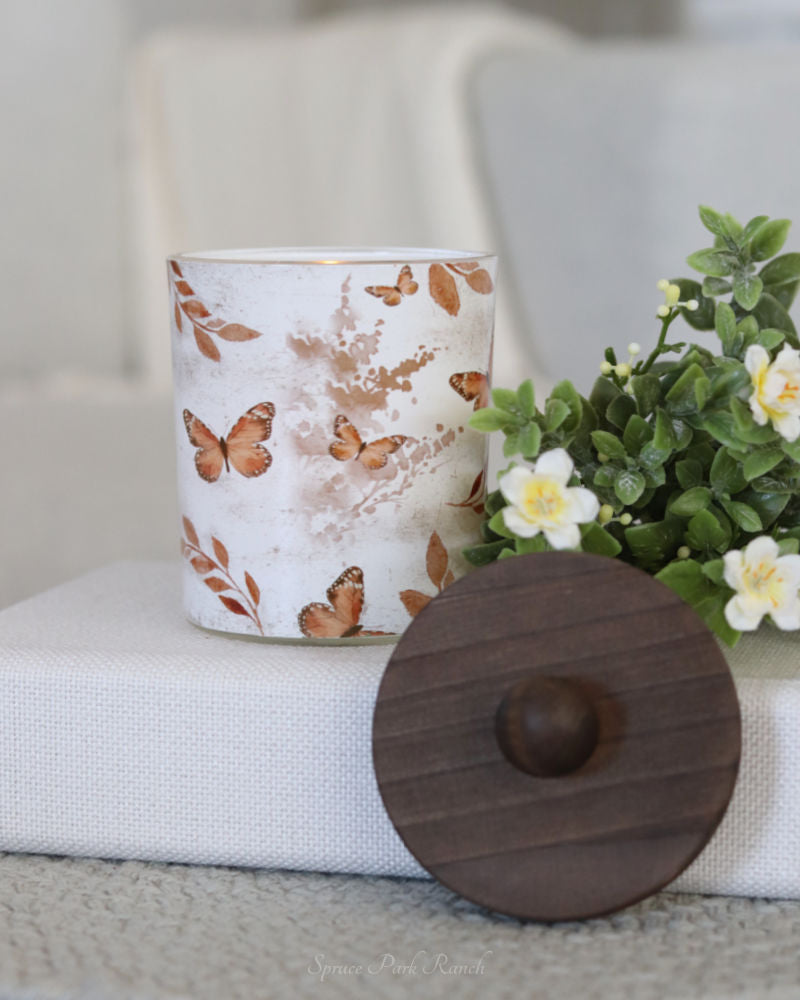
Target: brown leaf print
x,y
414,601
191,534
252,588
204,323
203,564
220,551
436,560
436,564
443,289
480,281
206,345
233,605
476,497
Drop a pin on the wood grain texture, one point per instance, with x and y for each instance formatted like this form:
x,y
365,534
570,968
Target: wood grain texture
x,y
627,821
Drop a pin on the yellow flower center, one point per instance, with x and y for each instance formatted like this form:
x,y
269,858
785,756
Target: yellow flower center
x,y
764,582
790,392
543,500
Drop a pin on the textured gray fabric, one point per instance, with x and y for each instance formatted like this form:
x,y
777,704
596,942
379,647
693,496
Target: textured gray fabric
x,y
97,930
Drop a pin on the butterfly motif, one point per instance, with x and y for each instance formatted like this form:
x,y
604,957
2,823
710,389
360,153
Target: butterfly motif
x,y
472,385
372,455
339,619
240,449
392,295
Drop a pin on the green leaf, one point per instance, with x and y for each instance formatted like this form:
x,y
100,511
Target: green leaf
x,y
556,412
714,262
726,473
743,515
527,546
605,476
489,419
771,314
687,579
725,322
598,541
747,289
651,457
511,445
788,546
682,391
758,463
608,444
494,501
702,390
701,318
567,393
482,555
654,542
769,238
664,438
746,427
629,485
637,433
504,399
714,569
722,427
655,477
690,502
603,393
713,221
646,392
792,449
619,410
716,286
705,532
507,553
770,339
689,473
497,524
753,226
526,399
781,277
768,506
530,440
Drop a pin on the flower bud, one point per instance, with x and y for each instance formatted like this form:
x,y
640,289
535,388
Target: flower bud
x,y
606,367
663,311
623,370
683,552
625,519
692,305
606,513
634,348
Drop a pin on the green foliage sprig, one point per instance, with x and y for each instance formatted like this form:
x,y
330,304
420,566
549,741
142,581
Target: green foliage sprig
x,y
685,466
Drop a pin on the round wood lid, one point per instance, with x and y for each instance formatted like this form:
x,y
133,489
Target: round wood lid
x,y
556,736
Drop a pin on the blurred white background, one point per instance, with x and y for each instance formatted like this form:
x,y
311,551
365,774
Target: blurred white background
x,y
592,163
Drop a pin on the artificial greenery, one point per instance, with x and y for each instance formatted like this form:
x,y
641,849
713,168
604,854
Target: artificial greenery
x,y
668,442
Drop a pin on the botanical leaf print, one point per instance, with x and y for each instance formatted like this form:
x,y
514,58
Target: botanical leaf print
x,y
436,564
189,308
443,287
477,495
215,571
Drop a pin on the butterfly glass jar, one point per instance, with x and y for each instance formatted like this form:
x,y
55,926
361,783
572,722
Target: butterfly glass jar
x,y
328,479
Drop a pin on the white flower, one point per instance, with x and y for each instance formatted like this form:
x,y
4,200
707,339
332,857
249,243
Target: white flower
x,y
765,584
776,389
540,500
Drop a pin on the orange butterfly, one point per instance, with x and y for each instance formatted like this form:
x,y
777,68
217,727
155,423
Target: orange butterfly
x,y
372,456
241,448
392,295
340,618
472,385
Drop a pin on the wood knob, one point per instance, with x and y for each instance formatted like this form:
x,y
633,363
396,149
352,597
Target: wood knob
x,y
546,726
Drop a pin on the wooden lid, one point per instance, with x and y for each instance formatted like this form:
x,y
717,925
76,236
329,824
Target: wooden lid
x,y
556,736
